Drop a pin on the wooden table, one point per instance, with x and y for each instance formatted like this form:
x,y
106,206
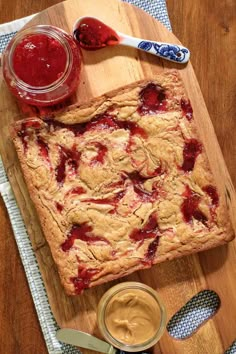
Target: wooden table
x,y
208,29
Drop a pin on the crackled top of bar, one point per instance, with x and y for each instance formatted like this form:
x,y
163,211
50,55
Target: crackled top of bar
x,y
121,183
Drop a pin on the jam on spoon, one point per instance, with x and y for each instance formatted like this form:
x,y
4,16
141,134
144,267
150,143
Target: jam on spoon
x,y
93,34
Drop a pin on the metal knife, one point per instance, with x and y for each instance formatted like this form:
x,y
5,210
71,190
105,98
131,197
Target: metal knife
x,y
84,340
87,341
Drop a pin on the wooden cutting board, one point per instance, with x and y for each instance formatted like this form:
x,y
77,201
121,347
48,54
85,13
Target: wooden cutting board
x,y
176,281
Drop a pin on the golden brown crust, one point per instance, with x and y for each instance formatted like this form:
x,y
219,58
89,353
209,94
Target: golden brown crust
x,y
122,191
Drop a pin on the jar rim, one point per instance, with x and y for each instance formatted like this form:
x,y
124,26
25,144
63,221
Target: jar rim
x,y
50,31
103,303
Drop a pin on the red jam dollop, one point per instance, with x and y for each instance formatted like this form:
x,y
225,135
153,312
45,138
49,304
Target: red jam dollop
x,y
190,208
212,192
77,190
149,230
25,130
151,251
93,34
39,60
59,207
113,201
83,232
186,108
43,149
138,184
70,158
192,148
137,181
100,122
83,279
153,99
101,153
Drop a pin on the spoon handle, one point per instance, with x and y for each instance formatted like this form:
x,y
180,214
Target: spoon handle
x,y
172,52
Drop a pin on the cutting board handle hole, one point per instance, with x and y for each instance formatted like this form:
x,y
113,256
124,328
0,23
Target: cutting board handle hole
x,y
197,311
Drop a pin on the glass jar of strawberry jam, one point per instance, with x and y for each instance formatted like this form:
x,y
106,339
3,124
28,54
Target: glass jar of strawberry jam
x,y
41,65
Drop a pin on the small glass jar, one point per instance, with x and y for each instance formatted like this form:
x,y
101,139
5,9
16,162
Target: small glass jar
x,y
55,91
116,292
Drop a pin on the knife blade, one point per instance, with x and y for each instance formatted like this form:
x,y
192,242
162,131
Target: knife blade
x,y
84,340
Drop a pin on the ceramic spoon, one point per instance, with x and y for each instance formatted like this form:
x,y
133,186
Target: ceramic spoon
x,y
92,34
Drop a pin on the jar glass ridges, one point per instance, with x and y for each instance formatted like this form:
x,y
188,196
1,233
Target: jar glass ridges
x,y
59,89
116,292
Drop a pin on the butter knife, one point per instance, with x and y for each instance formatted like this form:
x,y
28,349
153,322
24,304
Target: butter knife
x,y
86,341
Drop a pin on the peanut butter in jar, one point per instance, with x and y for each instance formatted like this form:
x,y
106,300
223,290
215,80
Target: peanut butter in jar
x,y
131,316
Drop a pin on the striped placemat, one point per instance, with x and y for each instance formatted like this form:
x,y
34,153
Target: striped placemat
x,y
156,8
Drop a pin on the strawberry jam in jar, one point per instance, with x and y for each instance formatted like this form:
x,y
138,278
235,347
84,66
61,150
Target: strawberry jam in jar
x,y
41,65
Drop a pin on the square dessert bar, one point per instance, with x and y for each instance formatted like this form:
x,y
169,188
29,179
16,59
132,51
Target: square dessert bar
x,y
122,182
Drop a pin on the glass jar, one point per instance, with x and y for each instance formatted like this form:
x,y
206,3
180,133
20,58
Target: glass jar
x,y
65,82
148,295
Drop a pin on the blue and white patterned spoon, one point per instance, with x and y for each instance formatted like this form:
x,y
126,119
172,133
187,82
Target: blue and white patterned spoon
x,y
92,34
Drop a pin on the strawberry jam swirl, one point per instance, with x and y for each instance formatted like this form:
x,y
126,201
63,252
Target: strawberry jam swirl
x,y
83,232
212,193
190,207
153,100
192,148
83,279
142,181
186,108
150,230
69,157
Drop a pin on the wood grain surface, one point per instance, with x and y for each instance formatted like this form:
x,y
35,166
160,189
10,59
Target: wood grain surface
x,y
194,22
